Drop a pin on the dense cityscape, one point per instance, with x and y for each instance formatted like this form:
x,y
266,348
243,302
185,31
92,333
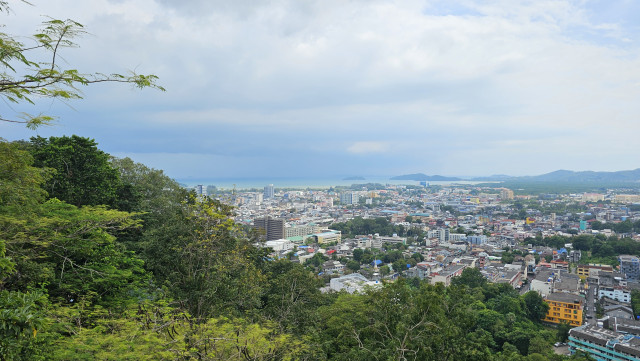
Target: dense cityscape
x,y
578,251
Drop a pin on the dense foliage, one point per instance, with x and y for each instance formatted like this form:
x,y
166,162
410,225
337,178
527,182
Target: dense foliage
x,y
137,268
596,248
380,225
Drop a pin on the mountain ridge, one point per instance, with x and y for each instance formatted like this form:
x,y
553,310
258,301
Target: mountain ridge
x,y
561,175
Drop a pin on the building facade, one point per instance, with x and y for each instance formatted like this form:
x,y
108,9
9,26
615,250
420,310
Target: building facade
x,y
604,345
564,308
630,266
269,191
587,270
273,228
617,293
349,198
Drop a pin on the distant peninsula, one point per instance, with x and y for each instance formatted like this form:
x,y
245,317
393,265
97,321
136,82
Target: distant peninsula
x,y
354,178
423,177
559,176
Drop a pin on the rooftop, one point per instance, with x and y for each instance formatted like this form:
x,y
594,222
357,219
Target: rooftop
x,y
564,297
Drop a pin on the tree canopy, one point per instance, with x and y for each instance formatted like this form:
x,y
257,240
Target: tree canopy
x,y
175,278
31,69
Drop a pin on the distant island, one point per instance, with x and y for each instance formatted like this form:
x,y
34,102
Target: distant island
x,y
559,176
423,177
354,178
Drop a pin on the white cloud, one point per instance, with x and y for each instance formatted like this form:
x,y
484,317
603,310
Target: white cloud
x,y
442,78
368,147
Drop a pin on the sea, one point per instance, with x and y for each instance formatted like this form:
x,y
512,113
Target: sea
x,y
305,182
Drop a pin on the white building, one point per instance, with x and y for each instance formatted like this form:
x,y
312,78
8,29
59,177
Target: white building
x,y
351,283
269,191
349,198
279,245
441,234
615,292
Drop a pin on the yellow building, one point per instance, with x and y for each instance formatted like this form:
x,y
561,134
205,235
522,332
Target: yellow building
x,y
586,270
328,237
592,197
625,198
564,308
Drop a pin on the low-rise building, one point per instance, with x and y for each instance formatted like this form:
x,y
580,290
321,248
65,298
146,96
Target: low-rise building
x,y
351,283
447,274
332,267
542,283
589,270
618,312
603,344
329,236
615,292
279,245
564,308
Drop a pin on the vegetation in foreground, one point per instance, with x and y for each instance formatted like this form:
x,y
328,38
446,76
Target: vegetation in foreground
x,y
104,259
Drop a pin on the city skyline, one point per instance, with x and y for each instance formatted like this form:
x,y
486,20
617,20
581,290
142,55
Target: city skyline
x,y
287,89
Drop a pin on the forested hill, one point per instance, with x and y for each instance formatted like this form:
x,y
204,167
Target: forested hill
x,y
107,259
559,176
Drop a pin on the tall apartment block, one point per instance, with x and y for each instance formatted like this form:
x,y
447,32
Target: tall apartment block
x,y
349,198
630,266
506,193
273,227
269,191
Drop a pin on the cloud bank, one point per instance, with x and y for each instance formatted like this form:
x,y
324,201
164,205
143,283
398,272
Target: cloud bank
x,y
283,88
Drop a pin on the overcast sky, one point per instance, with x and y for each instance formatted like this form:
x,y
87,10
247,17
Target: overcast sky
x,y
349,87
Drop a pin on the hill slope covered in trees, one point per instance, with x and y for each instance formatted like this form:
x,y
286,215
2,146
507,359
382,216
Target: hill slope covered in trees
x,y
104,258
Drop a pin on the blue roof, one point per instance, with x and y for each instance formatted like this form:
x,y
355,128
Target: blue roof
x,y
377,262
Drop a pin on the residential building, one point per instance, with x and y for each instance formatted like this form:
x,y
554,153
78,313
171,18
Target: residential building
x,y
332,267
567,283
394,239
351,283
447,274
574,256
457,237
477,239
273,228
592,197
328,237
301,231
630,266
441,234
542,283
349,198
618,312
590,270
269,191
564,308
279,245
622,325
627,198
615,291
603,344
506,193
